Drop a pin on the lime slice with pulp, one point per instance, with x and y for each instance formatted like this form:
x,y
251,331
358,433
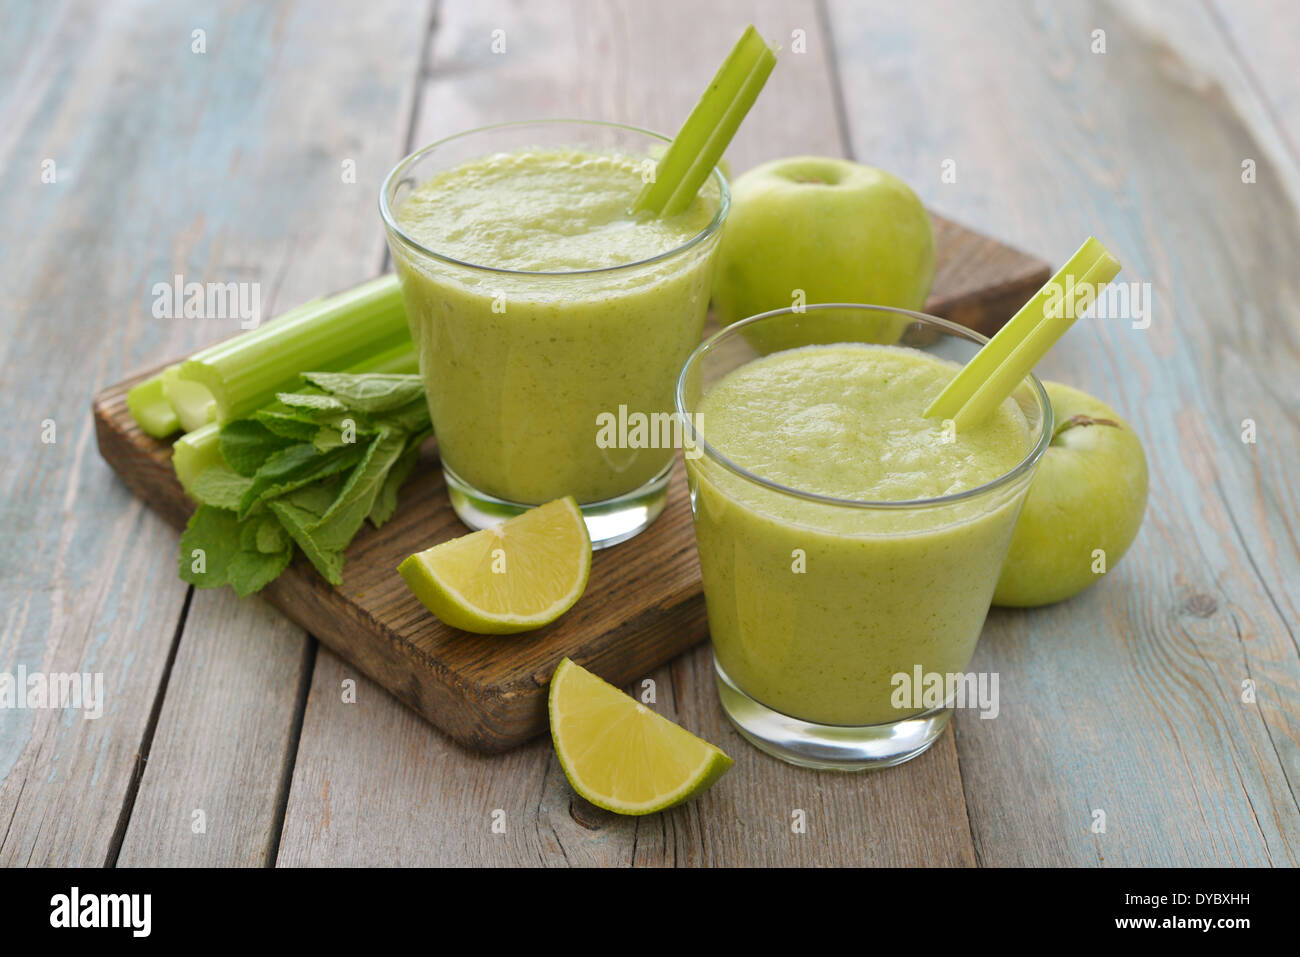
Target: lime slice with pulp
x,y
620,755
516,576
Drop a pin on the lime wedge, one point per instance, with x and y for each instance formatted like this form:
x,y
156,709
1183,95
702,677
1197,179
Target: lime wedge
x,y
519,575
619,754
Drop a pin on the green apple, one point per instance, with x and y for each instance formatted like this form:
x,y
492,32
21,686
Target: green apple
x,y
817,229
1084,507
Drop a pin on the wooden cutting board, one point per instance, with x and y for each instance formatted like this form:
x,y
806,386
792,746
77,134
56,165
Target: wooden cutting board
x,y
643,603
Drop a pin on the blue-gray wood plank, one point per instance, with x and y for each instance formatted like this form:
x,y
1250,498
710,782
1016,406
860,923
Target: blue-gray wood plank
x,y
1128,699
218,155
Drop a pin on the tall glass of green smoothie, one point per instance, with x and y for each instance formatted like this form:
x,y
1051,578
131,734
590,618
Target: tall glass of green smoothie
x,y
849,546
550,322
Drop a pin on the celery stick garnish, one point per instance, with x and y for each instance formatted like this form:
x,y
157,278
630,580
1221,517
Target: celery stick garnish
x,y
699,144
1004,361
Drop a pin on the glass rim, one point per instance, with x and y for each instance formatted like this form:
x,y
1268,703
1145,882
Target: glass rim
x,y
695,439
390,220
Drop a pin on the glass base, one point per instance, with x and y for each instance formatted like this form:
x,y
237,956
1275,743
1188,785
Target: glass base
x,y
828,747
609,522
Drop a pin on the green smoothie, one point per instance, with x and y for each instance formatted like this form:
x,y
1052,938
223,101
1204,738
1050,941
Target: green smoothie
x,y
814,607
554,319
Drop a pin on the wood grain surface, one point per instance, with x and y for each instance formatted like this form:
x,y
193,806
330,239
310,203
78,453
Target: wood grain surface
x,y
223,166
1164,702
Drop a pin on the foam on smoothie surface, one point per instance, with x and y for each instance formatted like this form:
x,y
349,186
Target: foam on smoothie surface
x,y
545,210
847,421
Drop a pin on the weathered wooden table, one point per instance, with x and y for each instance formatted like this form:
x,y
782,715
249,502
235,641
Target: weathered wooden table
x,y
246,141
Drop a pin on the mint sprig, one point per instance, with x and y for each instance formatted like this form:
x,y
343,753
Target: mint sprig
x,y
308,470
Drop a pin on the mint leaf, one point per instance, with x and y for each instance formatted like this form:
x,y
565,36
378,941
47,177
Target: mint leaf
x,y
271,536
327,437
293,468
336,533
209,542
307,470
412,417
212,552
296,522
281,466
252,571
312,402
372,392
317,497
246,444
385,503
221,487
286,425
365,480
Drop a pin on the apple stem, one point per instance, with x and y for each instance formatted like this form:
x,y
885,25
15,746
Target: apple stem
x,y
1083,420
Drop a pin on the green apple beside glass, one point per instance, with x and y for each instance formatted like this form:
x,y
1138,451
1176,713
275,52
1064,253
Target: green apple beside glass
x,y
1084,507
810,229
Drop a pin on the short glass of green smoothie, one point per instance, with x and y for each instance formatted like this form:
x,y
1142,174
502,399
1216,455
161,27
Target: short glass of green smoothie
x,y
549,321
849,546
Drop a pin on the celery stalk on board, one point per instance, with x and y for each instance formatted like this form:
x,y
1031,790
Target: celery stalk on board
x,y
150,408
192,403
244,373
195,451
199,449
363,329
399,360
